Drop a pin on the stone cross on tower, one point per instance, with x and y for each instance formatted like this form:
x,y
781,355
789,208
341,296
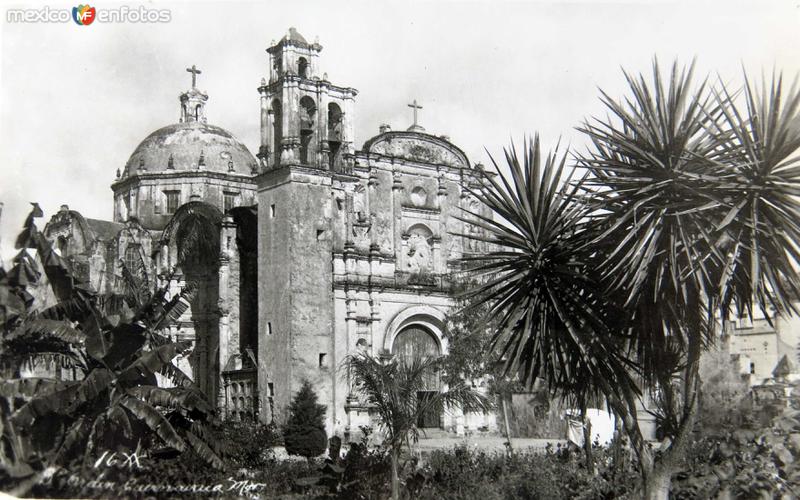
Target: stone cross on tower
x,y
194,71
415,127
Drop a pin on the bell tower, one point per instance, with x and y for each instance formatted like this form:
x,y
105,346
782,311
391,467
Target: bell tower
x,y
306,150
305,119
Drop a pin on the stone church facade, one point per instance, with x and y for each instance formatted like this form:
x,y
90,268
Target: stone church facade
x,y
303,254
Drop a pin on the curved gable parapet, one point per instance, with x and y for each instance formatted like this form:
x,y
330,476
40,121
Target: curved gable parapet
x,y
73,224
417,146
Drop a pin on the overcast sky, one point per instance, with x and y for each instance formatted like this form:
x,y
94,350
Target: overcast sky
x,y
76,100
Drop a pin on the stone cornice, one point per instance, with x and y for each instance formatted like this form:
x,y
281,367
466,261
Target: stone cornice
x,y
287,173
435,284
421,210
370,157
276,85
180,175
363,255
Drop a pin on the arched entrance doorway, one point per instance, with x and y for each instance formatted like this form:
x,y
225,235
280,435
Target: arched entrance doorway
x,y
417,341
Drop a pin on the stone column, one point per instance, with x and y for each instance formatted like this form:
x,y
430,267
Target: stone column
x,y
397,217
350,331
375,317
374,246
224,303
263,150
436,250
444,215
348,230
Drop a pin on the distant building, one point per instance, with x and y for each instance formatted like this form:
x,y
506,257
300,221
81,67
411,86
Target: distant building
x,y
758,347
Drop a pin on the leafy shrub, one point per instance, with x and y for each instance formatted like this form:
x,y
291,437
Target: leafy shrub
x,y
304,433
110,400
249,444
360,474
755,459
555,474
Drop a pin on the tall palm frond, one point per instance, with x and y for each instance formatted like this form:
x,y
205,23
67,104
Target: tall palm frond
x,y
654,189
552,319
761,189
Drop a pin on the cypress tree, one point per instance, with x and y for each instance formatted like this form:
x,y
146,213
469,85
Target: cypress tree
x,y
304,433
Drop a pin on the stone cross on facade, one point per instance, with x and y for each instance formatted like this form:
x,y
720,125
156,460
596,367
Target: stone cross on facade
x,y
416,107
194,71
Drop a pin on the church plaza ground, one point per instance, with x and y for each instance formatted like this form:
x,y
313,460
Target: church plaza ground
x,y
491,444
485,443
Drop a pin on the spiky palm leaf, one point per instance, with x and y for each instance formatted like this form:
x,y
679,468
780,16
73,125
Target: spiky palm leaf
x,y
760,191
655,192
552,318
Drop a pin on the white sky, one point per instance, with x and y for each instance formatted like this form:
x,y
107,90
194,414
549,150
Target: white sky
x,y
75,101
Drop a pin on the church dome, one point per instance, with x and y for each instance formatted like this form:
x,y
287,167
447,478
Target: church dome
x,y
191,145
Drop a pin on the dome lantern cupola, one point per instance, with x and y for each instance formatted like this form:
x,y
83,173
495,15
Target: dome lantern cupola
x,y
193,101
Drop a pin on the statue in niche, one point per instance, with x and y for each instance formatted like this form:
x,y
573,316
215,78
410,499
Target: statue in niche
x,y
454,249
420,254
359,205
361,230
472,230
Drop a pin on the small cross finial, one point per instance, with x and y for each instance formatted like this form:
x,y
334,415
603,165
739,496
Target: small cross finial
x,y
416,107
194,71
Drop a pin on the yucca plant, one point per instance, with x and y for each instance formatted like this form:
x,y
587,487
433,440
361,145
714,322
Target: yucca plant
x,y
112,399
616,283
390,388
551,318
762,220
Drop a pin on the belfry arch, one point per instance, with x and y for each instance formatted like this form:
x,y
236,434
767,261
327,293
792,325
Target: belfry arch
x,y
308,115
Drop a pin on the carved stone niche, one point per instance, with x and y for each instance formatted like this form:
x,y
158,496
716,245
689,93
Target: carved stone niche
x,y
419,250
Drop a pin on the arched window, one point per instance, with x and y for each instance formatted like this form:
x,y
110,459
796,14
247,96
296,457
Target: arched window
x,y
302,67
61,246
133,260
